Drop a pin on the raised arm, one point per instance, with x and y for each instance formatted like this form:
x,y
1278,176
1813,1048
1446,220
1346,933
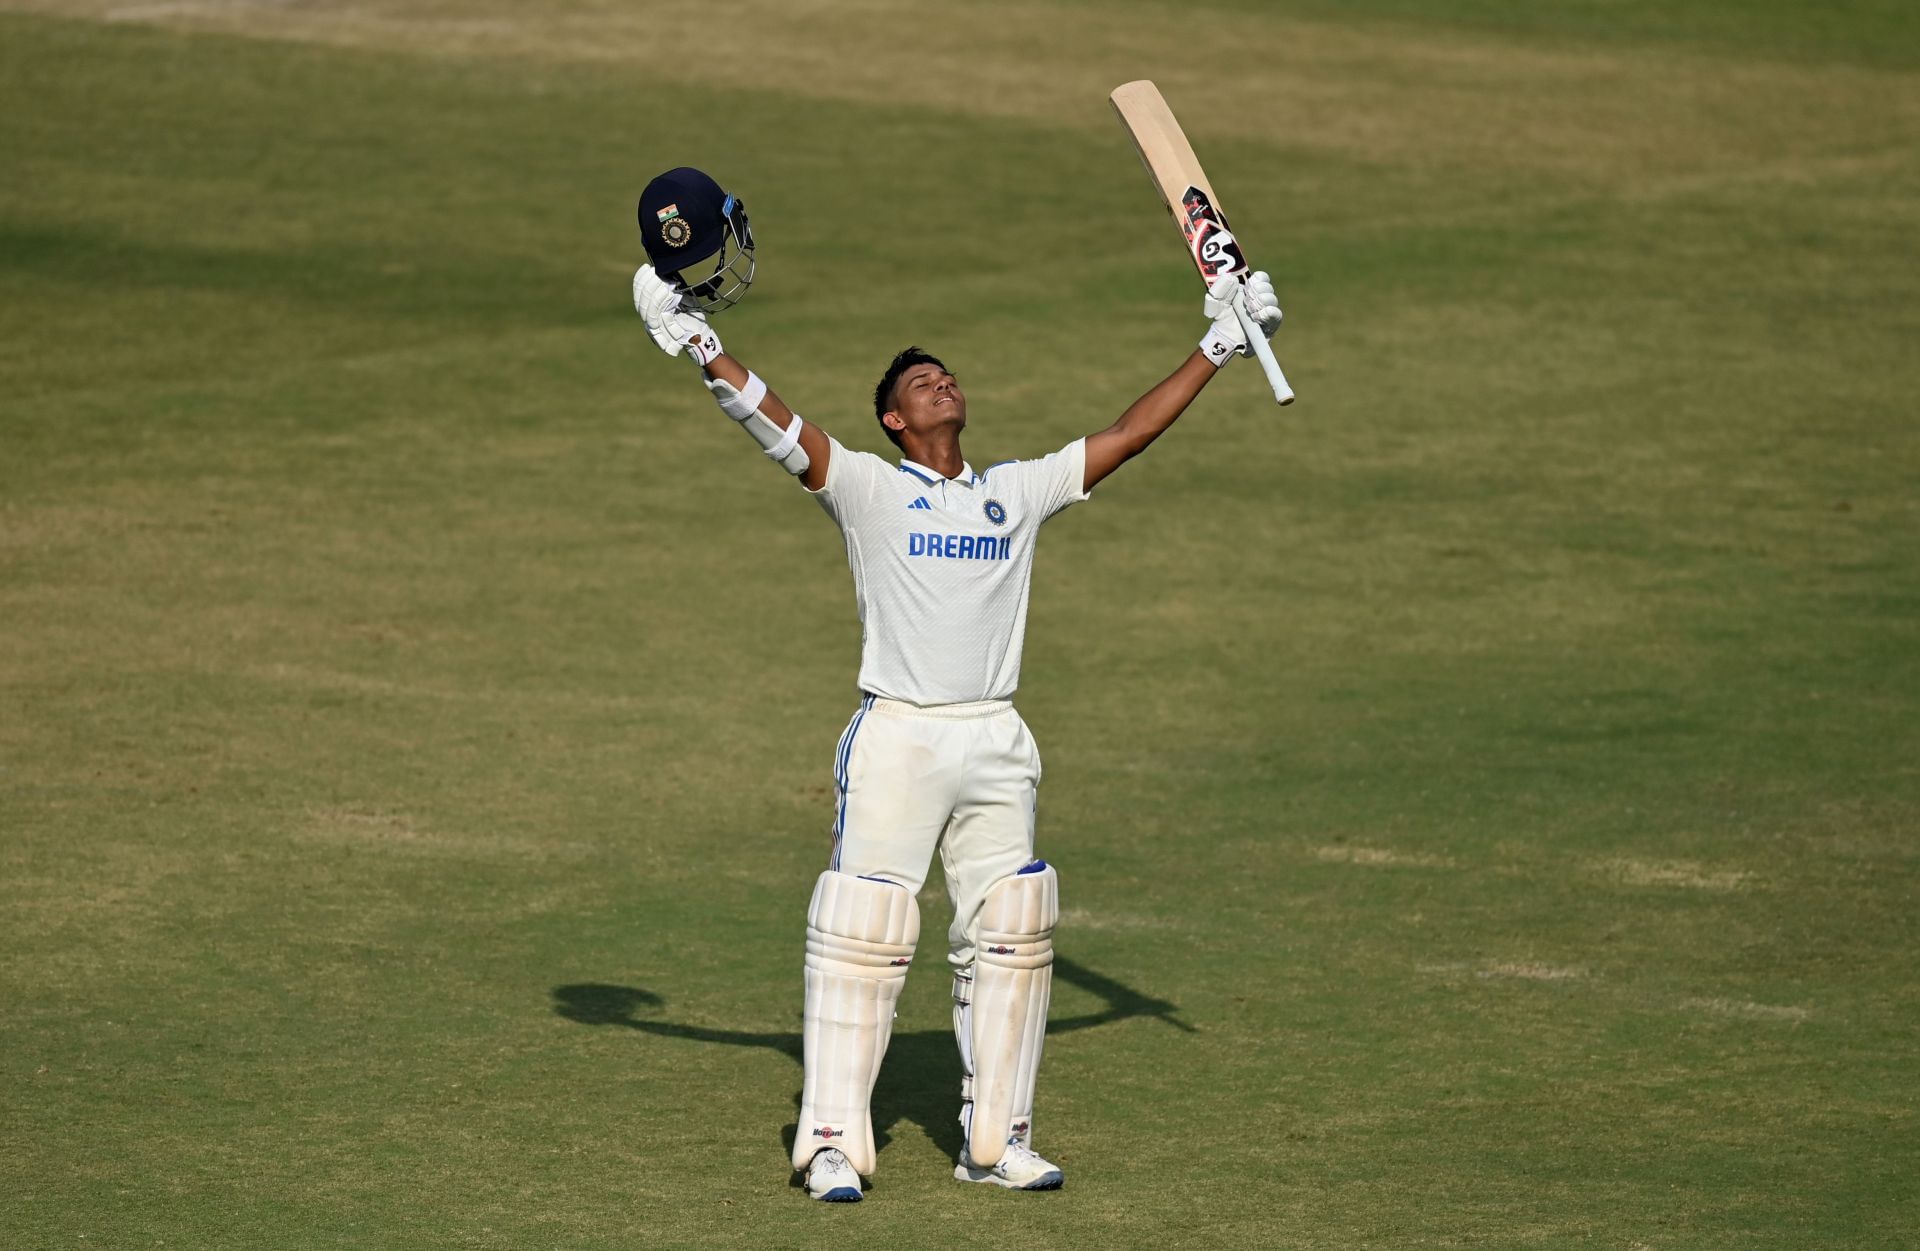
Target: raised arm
x,y
1148,417
797,445
813,443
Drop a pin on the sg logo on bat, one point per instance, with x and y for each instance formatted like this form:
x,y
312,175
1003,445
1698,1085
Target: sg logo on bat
x,y
1215,250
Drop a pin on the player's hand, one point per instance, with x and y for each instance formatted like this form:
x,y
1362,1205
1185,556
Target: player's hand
x,y
1227,337
1262,305
675,328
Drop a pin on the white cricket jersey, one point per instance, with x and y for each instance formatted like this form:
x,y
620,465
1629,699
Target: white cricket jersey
x,y
941,567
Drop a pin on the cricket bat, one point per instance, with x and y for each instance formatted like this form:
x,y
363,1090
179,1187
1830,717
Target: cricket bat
x,y
1184,188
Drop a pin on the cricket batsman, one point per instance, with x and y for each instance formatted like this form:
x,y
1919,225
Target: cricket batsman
x,y
935,758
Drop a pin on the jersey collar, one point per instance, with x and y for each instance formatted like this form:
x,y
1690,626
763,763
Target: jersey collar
x,y
931,478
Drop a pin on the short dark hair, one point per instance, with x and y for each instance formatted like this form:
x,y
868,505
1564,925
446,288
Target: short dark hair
x,y
883,394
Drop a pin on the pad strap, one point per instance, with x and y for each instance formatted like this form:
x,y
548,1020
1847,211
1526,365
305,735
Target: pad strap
x,y
745,402
1218,348
781,450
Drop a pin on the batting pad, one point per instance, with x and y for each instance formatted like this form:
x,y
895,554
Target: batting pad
x,y
1012,982
860,937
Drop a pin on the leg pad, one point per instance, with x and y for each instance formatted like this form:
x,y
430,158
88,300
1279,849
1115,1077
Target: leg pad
x,y
1007,1018
860,938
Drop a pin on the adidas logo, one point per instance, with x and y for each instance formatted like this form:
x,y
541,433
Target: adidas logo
x,y
919,503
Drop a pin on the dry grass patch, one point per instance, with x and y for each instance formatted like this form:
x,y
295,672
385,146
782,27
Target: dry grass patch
x,y
1380,857
1499,970
1747,1010
1685,874
1530,971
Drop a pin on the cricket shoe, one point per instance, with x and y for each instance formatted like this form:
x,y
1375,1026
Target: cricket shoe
x,y
831,1177
1021,1168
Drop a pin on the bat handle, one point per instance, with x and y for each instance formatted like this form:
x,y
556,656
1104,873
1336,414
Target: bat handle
x,y
1264,352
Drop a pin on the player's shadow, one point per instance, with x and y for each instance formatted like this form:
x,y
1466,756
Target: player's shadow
x,y
920,1081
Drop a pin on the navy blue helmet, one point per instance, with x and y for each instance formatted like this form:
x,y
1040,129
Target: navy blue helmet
x,y
697,237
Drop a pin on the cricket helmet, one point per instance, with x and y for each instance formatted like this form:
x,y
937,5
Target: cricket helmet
x,y
697,237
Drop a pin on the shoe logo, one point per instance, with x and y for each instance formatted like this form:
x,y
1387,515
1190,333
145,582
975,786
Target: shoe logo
x,y
829,1132
919,503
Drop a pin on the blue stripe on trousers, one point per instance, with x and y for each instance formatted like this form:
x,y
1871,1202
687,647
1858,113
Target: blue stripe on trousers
x,y
842,758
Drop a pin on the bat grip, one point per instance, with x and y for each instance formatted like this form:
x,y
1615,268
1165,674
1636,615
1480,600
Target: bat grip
x,y
1263,352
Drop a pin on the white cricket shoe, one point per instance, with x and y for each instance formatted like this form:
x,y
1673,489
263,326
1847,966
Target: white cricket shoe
x,y
831,1177
1021,1168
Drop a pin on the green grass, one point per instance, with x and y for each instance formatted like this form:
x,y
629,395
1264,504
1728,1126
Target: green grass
x,y
1484,792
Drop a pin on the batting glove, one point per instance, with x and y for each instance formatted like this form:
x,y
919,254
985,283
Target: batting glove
x,y
675,328
1227,337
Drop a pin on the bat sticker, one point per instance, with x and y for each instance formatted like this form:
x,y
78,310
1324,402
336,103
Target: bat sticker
x,y
1214,248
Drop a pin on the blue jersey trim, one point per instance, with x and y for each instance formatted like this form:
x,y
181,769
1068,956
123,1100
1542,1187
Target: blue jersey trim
x,y
916,474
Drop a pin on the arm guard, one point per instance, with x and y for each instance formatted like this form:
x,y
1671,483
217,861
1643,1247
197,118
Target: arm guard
x,y
743,405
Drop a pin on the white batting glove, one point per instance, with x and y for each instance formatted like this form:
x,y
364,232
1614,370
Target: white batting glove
x,y
1227,337
674,327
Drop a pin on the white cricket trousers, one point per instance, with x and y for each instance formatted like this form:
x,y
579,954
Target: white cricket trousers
x,y
962,778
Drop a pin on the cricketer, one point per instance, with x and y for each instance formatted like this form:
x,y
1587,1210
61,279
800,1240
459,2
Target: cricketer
x,y
935,757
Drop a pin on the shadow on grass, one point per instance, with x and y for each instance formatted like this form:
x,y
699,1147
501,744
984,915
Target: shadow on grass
x,y
920,1081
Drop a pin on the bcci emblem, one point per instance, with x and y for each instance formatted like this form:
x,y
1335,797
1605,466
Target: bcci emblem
x,y
996,512
676,232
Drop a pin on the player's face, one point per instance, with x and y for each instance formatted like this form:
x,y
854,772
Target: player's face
x,y
927,397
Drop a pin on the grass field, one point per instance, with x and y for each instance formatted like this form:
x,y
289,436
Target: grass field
x,y
1485,792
